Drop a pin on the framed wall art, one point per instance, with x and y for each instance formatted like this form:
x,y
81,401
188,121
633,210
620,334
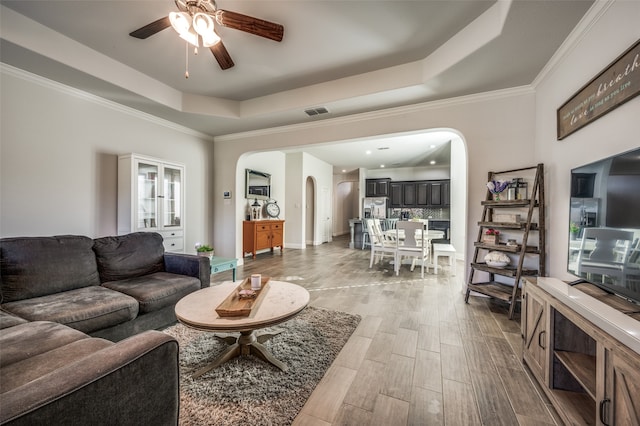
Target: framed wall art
x,y
618,83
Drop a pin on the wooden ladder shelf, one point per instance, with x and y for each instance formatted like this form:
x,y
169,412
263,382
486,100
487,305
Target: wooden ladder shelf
x,y
507,287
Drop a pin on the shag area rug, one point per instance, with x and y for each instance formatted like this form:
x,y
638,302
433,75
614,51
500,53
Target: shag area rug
x,y
248,391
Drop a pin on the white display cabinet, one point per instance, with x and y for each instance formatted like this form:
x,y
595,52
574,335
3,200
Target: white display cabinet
x,y
151,198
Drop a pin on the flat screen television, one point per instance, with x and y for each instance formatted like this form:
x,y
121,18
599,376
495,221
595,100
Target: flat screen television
x,y
604,228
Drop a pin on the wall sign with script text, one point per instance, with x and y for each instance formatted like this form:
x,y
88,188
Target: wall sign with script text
x,y
615,85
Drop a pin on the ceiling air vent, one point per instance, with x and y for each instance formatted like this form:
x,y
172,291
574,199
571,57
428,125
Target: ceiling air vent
x,y
312,112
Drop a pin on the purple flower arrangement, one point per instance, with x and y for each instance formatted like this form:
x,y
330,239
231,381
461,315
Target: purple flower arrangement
x,y
497,186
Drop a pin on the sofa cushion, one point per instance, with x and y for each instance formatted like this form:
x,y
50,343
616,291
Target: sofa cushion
x,y
28,369
157,290
85,309
39,266
128,256
9,320
26,340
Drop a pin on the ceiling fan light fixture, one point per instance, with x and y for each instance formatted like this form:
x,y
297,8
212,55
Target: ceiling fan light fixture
x,y
204,26
210,40
181,22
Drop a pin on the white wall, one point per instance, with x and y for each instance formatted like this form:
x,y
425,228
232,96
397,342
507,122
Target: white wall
x,y
502,130
295,224
301,166
346,204
58,155
322,174
486,122
613,32
58,160
267,162
458,194
288,186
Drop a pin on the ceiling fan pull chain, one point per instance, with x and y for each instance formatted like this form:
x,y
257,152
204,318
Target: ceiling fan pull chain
x,y
186,58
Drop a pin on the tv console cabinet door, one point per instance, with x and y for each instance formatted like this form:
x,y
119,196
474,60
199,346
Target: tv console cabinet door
x,y
621,406
535,334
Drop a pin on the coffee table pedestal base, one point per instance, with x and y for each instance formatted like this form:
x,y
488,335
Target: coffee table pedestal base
x,y
248,343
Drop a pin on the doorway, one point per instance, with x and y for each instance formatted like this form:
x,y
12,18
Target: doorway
x,y
310,209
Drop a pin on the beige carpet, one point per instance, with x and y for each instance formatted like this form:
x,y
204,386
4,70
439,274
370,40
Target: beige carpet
x,y
248,391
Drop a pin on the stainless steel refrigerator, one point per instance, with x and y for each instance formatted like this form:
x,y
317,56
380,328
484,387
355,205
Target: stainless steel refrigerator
x,y
374,207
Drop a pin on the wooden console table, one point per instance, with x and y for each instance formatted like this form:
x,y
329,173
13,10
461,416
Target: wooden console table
x,y
583,346
262,234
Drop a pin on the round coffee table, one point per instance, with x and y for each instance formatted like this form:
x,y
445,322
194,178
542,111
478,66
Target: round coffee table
x,y
281,302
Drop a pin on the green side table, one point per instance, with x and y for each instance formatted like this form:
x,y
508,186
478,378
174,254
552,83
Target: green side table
x,y
220,264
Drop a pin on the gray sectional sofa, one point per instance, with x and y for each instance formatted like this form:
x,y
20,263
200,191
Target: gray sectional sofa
x,y
77,316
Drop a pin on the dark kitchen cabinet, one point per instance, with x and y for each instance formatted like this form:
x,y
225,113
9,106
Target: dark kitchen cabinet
x,y
377,187
395,194
423,194
419,194
436,193
446,196
402,194
409,194
432,194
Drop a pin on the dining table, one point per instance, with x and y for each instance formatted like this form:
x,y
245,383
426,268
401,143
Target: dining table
x,y
430,234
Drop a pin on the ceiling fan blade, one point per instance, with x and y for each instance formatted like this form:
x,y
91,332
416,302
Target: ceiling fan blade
x,y
250,24
222,55
152,28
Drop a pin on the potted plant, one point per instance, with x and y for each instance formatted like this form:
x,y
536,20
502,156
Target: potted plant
x,y
575,230
204,250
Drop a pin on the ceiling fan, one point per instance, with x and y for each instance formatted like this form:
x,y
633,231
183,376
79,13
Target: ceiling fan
x,y
195,23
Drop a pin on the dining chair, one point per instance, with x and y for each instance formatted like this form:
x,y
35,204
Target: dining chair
x,y
609,254
390,223
414,245
366,237
381,246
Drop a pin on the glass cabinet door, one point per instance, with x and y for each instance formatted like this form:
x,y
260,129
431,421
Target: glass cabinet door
x,y
147,195
172,202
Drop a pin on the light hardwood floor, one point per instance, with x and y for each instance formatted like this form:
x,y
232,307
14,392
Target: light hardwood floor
x,y
420,355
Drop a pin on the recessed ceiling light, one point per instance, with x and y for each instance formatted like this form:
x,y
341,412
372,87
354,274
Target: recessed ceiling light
x,y
382,166
432,162
432,146
368,152
344,171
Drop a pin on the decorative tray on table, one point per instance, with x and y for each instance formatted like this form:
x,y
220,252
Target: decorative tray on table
x,y
236,306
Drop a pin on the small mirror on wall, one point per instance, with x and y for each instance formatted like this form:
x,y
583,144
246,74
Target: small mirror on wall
x,y
258,185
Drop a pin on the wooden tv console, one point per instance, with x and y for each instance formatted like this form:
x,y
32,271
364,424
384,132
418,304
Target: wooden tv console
x,y
582,345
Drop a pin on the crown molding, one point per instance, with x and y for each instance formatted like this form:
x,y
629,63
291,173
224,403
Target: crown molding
x,y
77,93
383,113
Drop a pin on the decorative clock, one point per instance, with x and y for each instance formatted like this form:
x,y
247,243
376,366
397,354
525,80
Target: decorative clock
x,y
272,209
